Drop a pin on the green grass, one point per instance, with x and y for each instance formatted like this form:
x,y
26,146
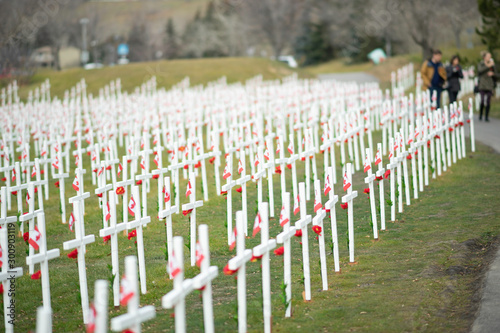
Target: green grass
x,y
401,282
167,72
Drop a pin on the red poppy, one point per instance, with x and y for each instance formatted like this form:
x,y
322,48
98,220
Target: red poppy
x,y
317,229
279,251
198,165
36,276
106,239
255,258
451,129
15,192
429,143
227,271
366,190
461,123
26,236
437,137
4,179
185,212
181,148
120,190
298,233
42,172
212,160
156,176
73,254
223,192
387,174
289,166
278,170
186,166
303,159
239,189
130,331
108,167
56,184
379,178
139,182
132,234
343,205
99,195
1,288
129,161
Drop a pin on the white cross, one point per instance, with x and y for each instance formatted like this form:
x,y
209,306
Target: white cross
x,y
259,174
6,170
30,216
138,224
19,188
392,166
103,191
125,183
167,212
79,243
238,263
471,126
182,288
144,177
262,250
291,161
230,183
412,151
318,222
369,180
284,238
242,181
101,288
61,176
269,165
302,225
174,169
348,198
113,231
330,207
380,174
191,206
9,273
135,316
403,153
43,258
204,279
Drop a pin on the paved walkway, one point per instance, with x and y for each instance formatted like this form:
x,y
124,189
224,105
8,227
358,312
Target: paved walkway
x,y
488,319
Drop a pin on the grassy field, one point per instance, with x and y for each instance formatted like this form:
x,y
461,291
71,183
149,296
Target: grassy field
x,y
167,72
422,274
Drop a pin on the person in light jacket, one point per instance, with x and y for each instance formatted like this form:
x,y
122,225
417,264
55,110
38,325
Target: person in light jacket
x,y
454,74
487,75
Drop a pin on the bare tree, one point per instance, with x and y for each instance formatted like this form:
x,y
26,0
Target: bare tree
x,y
424,20
276,20
461,12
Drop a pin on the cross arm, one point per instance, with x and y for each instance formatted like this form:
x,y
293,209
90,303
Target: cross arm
x,y
174,296
302,223
202,279
236,262
40,257
285,235
263,248
126,320
78,242
350,196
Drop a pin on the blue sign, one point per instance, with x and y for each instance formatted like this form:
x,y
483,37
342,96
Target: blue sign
x,y
122,49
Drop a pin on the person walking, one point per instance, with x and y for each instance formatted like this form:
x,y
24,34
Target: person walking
x,y
487,75
434,75
454,74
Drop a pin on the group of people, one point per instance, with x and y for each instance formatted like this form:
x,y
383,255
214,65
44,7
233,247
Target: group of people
x,y
436,77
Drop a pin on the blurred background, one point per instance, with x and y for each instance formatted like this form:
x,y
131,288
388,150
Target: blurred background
x,y
61,34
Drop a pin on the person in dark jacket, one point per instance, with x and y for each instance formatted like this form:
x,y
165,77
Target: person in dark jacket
x,y
454,74
487,74
434,75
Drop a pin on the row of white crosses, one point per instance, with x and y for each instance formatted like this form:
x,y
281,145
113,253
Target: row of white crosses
x,y
80,242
